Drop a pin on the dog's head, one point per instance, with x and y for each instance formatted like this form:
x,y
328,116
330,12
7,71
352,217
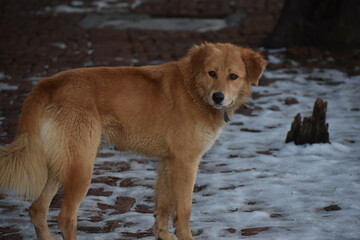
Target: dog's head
x,y
224,73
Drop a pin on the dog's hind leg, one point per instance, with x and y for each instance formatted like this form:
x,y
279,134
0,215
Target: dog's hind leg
x,y
77,182
74,191
39,211
81,145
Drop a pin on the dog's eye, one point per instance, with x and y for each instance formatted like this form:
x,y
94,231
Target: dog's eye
x,y
212,74
233,76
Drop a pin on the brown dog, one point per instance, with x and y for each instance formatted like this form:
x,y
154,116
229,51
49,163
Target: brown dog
x,y
172,111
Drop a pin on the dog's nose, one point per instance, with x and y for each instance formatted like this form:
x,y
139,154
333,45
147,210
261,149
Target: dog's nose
x,y
218,97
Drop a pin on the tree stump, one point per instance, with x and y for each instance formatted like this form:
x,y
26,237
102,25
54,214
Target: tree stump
x,y
312,129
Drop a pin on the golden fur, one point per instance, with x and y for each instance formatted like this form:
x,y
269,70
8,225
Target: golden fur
x,y
167,111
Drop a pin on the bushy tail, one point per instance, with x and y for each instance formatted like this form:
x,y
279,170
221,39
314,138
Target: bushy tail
x,y
23,168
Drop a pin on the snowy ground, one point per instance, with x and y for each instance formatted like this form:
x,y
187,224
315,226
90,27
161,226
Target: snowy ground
x,y
251,185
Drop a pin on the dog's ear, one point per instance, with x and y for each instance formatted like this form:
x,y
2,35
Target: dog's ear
x,y
255,65
197,56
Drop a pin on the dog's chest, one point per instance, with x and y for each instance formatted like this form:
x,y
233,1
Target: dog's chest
x,y
208,137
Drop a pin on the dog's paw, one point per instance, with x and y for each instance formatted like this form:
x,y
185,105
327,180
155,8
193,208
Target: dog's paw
x,y
168,236
186,238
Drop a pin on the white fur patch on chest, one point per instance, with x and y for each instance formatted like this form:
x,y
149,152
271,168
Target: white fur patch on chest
x,y
208,137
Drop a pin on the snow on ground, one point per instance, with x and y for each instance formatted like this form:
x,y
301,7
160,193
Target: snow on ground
x,y
93,5
5,86
250,178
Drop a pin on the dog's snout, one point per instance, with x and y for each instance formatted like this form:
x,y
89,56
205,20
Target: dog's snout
x,y
218,97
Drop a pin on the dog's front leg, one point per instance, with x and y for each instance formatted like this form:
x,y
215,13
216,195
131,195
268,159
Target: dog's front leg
x,y
164,203
183,174
174,197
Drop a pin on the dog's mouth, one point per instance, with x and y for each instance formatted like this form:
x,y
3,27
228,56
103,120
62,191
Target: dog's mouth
x,y
218,106
221,106
224,109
